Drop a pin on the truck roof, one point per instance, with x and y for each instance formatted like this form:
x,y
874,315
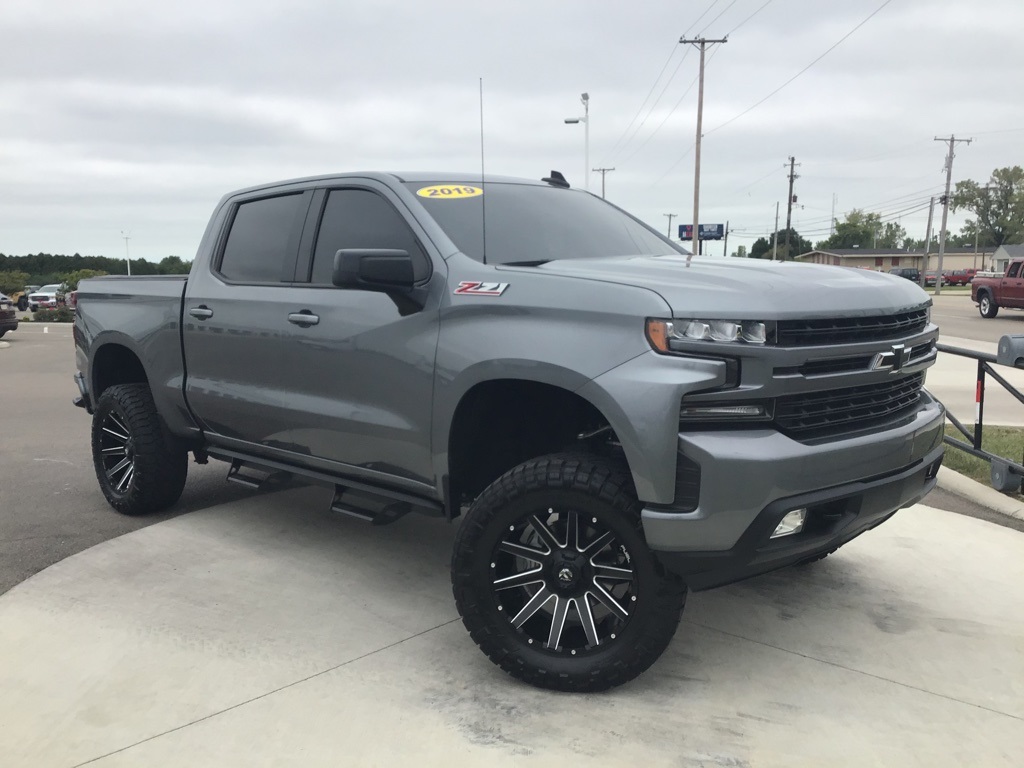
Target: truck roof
x,y
401,177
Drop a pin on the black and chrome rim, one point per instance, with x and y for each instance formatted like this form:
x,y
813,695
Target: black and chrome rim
x,y
117,452
565,581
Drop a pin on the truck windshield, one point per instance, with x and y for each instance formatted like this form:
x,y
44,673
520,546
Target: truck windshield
x,y
528,223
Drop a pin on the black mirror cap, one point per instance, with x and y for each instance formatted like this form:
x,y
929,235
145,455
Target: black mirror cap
x,y
374,269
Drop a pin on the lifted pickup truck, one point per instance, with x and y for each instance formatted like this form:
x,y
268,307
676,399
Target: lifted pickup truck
x,y
1006,290
614,423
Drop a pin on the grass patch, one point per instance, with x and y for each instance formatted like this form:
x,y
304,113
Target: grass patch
x,y
1007,442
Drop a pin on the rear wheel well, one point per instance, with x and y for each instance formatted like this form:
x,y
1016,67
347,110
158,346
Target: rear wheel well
x,y
115,364
500,424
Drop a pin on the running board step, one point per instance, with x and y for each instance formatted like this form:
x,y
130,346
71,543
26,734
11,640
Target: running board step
x,y
254,477
368,507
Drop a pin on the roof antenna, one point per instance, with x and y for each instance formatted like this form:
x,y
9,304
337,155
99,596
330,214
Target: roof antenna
x,y
483,197
556,179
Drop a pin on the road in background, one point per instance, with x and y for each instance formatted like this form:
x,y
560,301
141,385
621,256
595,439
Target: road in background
x,y
957,316
50,503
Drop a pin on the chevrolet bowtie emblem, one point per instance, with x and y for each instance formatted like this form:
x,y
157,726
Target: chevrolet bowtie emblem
x,y
891,361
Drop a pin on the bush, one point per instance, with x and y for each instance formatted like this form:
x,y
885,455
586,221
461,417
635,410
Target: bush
x,y
58,315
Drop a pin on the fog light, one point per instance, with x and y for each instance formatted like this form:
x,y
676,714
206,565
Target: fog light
x,y
792,523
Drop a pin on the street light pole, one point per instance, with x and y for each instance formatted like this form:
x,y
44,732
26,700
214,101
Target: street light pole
x,y
127,235
585,100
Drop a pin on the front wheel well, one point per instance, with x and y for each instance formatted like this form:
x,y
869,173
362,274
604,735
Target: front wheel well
x,y
502,423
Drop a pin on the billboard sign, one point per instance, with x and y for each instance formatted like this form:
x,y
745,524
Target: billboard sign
x,y
705,232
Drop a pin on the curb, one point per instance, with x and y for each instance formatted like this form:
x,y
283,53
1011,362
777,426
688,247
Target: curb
x,y
974,491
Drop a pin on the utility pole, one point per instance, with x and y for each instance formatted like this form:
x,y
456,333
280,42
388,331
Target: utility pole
x,y
775,234
832,226
927,241
725,245
603,172
127,236
702,43
670,217
789,203
945,205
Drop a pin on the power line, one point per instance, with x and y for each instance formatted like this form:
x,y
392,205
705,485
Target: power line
x,y
749,17
794,77
675,47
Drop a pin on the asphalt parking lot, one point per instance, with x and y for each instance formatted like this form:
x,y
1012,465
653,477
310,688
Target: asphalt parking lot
x,y
258,629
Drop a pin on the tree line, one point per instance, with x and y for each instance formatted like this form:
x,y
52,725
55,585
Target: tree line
x,y
45,268
998,208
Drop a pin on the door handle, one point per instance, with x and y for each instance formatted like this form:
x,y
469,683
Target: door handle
x,y
201,312
305,318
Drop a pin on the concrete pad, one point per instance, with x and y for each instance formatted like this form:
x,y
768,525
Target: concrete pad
x,y
266,632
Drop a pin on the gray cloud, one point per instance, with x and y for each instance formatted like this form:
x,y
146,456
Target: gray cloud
x,y
118,113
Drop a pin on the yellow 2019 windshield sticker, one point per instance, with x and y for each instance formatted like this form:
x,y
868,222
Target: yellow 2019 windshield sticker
x,y
449,191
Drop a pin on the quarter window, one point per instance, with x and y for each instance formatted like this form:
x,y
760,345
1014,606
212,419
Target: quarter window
x,y
260,245
358,218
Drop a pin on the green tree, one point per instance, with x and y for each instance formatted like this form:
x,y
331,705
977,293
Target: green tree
x,y
892,235
857,230
740,252
174,265
998,206
763,248
12,281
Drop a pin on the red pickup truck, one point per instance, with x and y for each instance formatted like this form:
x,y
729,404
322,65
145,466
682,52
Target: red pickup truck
x,y
1007,290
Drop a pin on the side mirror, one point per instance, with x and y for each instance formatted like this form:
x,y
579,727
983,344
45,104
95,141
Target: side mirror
x,y
373,269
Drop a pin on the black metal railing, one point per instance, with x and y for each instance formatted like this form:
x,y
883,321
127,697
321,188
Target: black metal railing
x,y
1006,474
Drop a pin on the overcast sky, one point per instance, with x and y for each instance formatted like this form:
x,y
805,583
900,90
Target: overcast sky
x,y
138,115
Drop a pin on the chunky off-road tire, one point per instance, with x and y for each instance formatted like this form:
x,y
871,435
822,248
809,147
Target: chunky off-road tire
x,y
137,470
554,580
986,306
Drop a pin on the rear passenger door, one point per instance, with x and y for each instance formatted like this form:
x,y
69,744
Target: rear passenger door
x,y
362,375
236,333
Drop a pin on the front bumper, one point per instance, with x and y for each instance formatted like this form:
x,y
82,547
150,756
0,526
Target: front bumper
x,y
751,479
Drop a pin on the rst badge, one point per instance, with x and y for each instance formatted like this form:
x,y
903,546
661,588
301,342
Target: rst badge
x,y
476,288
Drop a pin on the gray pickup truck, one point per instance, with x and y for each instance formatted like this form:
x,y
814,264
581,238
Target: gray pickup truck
x,y
615,423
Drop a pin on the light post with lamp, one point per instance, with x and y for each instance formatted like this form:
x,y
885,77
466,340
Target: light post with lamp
x,y
585,99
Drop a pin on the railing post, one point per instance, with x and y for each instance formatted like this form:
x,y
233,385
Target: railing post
x,y
979,404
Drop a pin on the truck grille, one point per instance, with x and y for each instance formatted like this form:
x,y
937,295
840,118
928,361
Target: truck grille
x,y
850,330
846,410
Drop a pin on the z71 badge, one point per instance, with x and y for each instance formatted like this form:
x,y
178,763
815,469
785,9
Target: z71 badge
x,y
476,288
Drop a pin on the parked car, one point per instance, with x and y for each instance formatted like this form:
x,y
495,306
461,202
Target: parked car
x,y
8,317
910,273
959,276
20,298
931,276
47,297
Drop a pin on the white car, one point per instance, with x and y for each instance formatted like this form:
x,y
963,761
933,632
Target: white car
x,y
47,297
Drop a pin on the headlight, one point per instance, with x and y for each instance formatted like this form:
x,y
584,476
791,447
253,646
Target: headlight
x,y
661,333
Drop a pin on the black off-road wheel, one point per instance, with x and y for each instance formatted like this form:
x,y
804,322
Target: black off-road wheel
x,y
137,470
554,580
986,306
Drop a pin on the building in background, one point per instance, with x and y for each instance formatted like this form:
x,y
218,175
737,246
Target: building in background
x,y
884,259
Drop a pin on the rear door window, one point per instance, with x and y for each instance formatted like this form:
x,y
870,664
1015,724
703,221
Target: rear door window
x,y
1014,269
262,244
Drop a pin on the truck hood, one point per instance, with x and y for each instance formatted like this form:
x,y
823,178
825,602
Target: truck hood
x,y
749,289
